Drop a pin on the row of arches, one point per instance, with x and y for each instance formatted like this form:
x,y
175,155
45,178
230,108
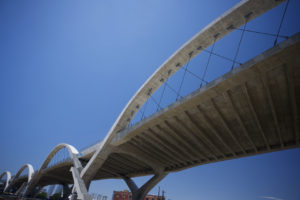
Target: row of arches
x,y
27,186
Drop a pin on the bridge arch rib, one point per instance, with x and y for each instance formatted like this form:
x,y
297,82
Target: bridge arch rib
x,y
232,19
29,175
71,150
8,178
39,174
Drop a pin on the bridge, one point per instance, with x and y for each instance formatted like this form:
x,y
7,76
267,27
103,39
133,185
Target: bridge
x,y
252,109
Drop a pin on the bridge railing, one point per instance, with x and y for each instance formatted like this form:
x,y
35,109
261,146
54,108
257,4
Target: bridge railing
x,y
224,55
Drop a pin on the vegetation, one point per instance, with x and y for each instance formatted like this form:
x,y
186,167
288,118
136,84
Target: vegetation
x,y
42,195
56,196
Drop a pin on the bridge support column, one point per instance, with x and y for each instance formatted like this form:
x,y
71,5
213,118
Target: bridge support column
x,y
79,186
140,193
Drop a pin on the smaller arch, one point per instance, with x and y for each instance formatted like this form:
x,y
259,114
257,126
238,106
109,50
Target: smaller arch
x,y
8,177
30,171
72,153
29,176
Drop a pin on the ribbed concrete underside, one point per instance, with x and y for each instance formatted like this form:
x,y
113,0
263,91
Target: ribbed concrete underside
x,y
57,174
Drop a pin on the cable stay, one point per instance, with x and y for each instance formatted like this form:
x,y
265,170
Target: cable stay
x,y
281,22
182,80
208,60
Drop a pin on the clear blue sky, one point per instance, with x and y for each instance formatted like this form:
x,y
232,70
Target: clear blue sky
x,y
67,69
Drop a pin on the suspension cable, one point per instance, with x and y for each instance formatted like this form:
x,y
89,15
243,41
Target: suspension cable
x,y
264,33
239,45
213,53
195,75
182,80
173,90
162,94
208,60
143,113
282,18
153,99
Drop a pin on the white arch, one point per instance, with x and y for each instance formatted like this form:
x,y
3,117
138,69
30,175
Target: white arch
x,y
72,153
30,171
216,30
71,150
8,177
29,176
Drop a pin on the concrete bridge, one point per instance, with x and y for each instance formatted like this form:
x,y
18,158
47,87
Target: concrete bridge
x,y
252,109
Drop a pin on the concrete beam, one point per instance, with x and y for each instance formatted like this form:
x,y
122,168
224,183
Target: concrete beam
x,y
208,122
289,73
254,114
271,103
228,98
202,134
226,126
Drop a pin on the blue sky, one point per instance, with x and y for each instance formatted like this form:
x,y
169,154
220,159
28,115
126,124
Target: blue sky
x,y
68,68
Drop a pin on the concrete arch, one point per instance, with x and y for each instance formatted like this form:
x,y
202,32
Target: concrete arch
x,y
72,153
8,178
235,17
29,176
30,171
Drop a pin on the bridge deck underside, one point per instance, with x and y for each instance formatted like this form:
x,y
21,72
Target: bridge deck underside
x,y
251,110
19,182
58,174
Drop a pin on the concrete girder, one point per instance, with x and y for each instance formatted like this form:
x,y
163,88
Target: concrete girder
x,y
228,98
271,103
173,153
226,126
128,150
169,143
255,116
215,151
180,125
157,144
289,72
146,145
214,131
123,158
